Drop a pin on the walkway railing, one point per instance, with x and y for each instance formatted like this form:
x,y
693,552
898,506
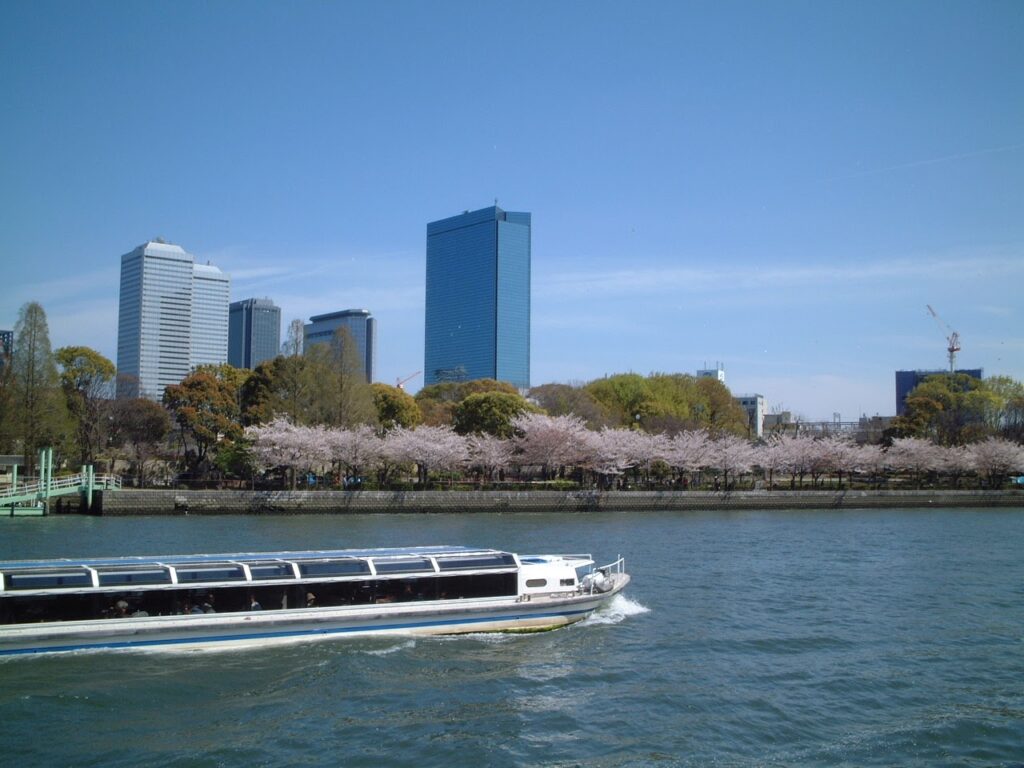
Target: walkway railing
x,y
40,490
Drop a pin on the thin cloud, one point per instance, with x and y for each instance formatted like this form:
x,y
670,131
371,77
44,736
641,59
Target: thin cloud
x,y
660,280
929,161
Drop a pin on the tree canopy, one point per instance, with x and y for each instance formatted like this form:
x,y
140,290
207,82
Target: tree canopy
x,y
87,379
956,409
395,407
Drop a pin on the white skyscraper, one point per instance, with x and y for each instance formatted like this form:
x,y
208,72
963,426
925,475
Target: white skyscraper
x,y
211,290
173,315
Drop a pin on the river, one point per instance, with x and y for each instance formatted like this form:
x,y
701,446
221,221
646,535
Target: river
x,y
878,637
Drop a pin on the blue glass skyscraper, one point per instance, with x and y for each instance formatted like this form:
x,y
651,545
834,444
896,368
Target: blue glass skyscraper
x,y
254,332
478,298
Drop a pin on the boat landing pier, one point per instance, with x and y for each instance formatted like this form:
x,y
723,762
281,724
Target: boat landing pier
x,y
33,498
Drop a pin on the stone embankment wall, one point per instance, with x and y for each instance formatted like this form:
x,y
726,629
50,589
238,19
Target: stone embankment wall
x,y
161,502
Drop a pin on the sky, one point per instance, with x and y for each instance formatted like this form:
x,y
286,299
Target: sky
x,y
779,187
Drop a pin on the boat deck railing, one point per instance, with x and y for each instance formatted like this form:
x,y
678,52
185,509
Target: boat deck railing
x,y
619,566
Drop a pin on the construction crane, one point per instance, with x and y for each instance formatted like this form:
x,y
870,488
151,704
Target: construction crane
x,y
399,383
953,339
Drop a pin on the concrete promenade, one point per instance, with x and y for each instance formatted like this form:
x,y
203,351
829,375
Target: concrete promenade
x,y
171,502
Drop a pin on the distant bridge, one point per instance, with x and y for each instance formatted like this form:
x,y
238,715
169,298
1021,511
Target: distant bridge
x,y
33,497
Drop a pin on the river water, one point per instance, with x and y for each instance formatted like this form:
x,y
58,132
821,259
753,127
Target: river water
x,y
882,637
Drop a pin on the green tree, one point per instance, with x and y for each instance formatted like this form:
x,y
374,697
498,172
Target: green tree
x,y
87,379
1011,399
669,403
437,402
567,400
351,403
489,413
719,412
296,387
626,396
395,407
950,409
140,426
206,411
39,415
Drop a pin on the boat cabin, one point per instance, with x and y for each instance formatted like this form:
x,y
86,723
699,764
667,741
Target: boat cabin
x,y
66,590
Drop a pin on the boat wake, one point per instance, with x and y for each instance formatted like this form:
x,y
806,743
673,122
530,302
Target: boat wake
x,y
618,610
407,645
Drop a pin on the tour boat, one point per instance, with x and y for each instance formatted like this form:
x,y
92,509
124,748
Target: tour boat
x,y
203,601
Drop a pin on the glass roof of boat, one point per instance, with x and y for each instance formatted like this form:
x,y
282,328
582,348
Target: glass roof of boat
x,y
244,557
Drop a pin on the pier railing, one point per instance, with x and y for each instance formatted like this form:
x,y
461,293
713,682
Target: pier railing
x,y
38,491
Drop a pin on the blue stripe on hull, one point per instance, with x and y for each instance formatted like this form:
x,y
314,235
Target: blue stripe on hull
x,y
288,633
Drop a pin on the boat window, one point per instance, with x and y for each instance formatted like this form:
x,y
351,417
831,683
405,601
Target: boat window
x,y
346,567
262,571
112,577
536,582
477,562
37,579
405,565
210,572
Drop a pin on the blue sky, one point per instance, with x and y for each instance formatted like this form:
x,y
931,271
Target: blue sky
x,y
782,187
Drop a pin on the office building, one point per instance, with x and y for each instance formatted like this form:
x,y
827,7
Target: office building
x,y
254,332
361,326
478,298
754,406
162,333
907,380
211,292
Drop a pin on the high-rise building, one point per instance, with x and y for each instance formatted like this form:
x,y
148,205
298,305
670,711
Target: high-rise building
x,y
211,295
907,380
360,325
478,298
254,332
161,331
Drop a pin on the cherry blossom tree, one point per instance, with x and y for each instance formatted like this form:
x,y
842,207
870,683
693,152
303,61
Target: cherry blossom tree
x,y
798,455
915,455
771,458
429,448
731,455
489,454
873,460
838,454
954,462
280,443
688,452
606,456
551,442
996,458
354,449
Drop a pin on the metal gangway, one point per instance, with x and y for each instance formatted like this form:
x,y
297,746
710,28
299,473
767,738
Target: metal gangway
x,y
33,497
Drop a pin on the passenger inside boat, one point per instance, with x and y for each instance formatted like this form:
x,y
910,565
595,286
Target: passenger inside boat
x,y
163,601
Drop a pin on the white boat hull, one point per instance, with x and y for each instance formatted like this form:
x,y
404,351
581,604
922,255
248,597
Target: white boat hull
x,y
271,627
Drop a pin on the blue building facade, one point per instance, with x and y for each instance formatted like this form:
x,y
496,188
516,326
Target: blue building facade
x,y
361,326
254,332
478,298
907,380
